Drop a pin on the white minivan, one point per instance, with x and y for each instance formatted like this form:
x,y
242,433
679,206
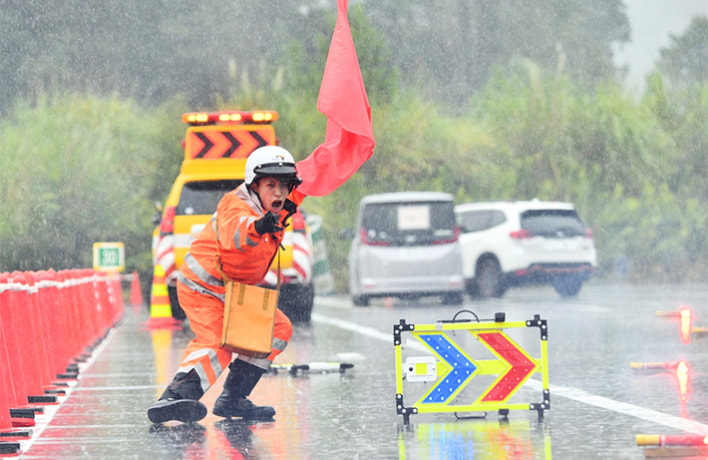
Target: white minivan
x,y
406,246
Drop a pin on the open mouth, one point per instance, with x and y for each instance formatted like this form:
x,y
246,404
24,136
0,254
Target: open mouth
x,y
277,203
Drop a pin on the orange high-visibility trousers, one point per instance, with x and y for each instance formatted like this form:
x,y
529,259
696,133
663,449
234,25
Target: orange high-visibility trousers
x,y
204,354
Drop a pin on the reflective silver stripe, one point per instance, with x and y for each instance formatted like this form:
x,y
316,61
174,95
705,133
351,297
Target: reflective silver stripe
x,y
249,241
199,368
243,223
237,239
264,363
194,286
201,273
279,344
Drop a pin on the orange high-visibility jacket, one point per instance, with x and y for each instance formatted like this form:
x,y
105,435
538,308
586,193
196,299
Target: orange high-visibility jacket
x,y
245,255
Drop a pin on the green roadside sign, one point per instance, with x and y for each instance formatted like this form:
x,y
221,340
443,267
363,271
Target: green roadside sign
x,y
108,257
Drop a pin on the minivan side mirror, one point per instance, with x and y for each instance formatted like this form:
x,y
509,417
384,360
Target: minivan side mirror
x,y
346,234
157,216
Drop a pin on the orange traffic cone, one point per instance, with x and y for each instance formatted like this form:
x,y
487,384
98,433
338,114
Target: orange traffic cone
x,y
160,309
136,295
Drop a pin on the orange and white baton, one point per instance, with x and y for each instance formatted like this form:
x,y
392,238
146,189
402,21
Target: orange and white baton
x,y
671,440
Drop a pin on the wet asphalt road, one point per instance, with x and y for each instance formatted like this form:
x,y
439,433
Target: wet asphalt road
x,y
598,404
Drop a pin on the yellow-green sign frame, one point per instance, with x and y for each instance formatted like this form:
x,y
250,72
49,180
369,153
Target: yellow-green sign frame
x,y
449,368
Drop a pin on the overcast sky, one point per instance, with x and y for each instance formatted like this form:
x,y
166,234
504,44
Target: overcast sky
x,y
652,22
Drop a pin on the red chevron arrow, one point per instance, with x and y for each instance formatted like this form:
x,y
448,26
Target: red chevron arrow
x,y
521,366
247,143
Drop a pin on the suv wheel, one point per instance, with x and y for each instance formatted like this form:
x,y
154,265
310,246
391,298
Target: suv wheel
x,y
567,286
489,279
471,288
452,298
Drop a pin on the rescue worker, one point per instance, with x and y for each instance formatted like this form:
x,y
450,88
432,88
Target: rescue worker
x,y
251,220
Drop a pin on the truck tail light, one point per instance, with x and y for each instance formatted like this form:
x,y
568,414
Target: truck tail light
x,y
588,233
368,242
167,225
521,235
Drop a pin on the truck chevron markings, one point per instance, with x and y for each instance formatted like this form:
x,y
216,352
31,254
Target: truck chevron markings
x,y
521,366
218,143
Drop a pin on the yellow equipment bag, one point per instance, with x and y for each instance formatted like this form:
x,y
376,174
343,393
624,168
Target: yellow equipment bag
x,y
249,314
249,317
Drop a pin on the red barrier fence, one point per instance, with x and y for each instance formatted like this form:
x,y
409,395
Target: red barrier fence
x,y
49,323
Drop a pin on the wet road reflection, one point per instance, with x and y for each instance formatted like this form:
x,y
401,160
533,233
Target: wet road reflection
x,y
599,403
479,439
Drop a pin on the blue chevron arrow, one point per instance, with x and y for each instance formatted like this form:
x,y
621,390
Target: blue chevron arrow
x,y
461,368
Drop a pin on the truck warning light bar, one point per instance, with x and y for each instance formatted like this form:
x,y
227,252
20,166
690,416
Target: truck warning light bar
x,y
229,117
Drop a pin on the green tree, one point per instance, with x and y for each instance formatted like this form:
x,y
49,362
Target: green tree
x,y
77,170
685,61
448,49
152,51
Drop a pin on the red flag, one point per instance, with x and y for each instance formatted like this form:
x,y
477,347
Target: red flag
x,y
349,140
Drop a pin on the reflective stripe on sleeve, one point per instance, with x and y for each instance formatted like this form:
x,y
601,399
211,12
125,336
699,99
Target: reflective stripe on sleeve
x,y
243,224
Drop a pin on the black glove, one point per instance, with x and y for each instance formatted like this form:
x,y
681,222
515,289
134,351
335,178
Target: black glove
x,y
291,208
268,224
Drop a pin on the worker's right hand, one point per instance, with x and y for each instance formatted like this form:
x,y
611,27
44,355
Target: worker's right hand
x,y
291,208
268,224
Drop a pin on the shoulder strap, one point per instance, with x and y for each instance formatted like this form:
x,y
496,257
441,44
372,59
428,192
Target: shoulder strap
x,y
217,258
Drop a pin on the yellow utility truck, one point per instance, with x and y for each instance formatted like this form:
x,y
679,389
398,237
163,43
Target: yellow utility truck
x,y
216,147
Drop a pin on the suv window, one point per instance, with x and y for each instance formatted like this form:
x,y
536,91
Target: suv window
x,y
477,221
202,197
401,224
552,223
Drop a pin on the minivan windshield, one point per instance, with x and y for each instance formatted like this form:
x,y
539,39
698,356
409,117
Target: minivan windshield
x,y
553,223
409,223
202,197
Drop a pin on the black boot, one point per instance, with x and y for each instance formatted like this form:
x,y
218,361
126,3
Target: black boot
x,y
232,402
183,410
180,401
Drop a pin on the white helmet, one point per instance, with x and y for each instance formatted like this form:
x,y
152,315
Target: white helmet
x,y
274,161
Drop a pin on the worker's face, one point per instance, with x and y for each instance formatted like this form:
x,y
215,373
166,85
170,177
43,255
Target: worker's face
x,y
272,192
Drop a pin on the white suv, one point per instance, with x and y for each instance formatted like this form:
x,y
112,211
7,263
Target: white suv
x,y
507,244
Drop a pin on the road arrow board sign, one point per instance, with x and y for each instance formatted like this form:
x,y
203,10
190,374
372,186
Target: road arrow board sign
x,y
455,369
